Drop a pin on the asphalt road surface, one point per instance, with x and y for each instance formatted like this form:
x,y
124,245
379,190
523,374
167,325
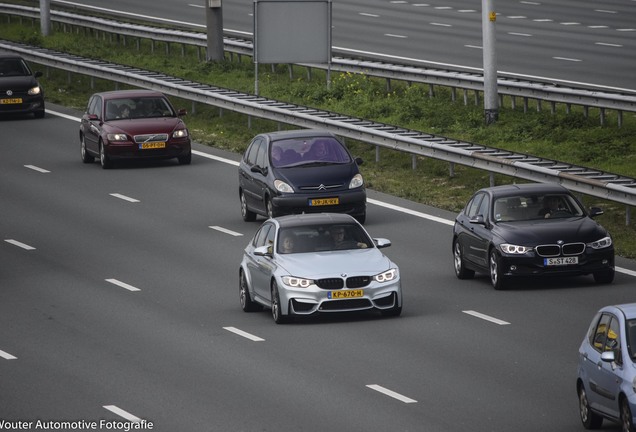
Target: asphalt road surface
x,y
119,302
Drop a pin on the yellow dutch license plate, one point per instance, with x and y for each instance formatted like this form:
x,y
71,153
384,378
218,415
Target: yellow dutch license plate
x,y
152,145
345,294
324,201
11,101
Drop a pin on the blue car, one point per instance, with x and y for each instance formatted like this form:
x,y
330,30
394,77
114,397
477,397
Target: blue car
x,y
606,383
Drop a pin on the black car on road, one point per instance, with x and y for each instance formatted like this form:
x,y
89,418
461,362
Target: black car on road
x,y
530,230
300,171
20,92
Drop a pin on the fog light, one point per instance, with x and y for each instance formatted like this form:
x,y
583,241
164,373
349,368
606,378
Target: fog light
x,y
513,268
605,262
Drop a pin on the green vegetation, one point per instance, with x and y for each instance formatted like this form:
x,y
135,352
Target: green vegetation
x,y
570,137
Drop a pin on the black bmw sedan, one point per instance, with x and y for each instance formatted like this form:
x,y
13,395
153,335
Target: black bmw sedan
x,y
530,230
300,171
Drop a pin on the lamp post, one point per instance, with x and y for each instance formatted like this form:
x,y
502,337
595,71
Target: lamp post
x,y
491,98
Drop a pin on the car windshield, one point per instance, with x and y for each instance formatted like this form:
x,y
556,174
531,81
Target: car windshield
x,y
322,238
134,108
13,67
535,207
308,151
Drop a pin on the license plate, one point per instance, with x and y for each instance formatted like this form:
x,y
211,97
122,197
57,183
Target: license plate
x,y
324,201
152,145
345,294
548,262
11,101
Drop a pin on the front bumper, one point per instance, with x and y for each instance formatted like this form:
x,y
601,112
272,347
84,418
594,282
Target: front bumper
x,y
311,300
30,104
130,150
590,261
351,201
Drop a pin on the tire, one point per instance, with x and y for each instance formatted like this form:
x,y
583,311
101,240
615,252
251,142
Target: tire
x,y
244,295
103,158
248,216
361,218
494,264
86,156
626,416
277,314
458,257
185,160
590,419
604,276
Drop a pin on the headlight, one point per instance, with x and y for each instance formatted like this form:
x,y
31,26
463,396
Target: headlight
x,y
515,249
181,133
601,244
356,181
297,282
281,186
387,276
117,137
34,91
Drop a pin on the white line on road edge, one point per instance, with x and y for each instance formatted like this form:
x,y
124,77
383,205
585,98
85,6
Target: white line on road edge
x,y
34,168
122,284
244,334
411,212
391,393
486,317
124,197
5,355
217,158
120,412
19,244
226,231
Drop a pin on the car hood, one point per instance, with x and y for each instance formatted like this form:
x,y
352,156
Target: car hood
x,y
317,265
145,126
569,230
17,83
314,175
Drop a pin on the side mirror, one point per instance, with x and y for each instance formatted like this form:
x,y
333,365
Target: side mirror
x,y
595,211
182,112
263,251
359,160
477,219
38,74
608,356
381,243
92,117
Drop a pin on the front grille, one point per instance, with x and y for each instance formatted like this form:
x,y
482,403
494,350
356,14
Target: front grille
x,y
330,283
160,137
321,187
358,281
351,304
555,250
339,283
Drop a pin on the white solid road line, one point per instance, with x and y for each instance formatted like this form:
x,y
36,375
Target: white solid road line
x,y
486,317
244,334
391,393
122,284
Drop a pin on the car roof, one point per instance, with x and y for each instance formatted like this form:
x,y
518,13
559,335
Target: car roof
x,y
628,309
10,55
314,219
119,94
525,188
296,133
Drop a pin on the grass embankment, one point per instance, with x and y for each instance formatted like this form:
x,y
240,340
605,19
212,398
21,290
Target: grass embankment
x,y
571,137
